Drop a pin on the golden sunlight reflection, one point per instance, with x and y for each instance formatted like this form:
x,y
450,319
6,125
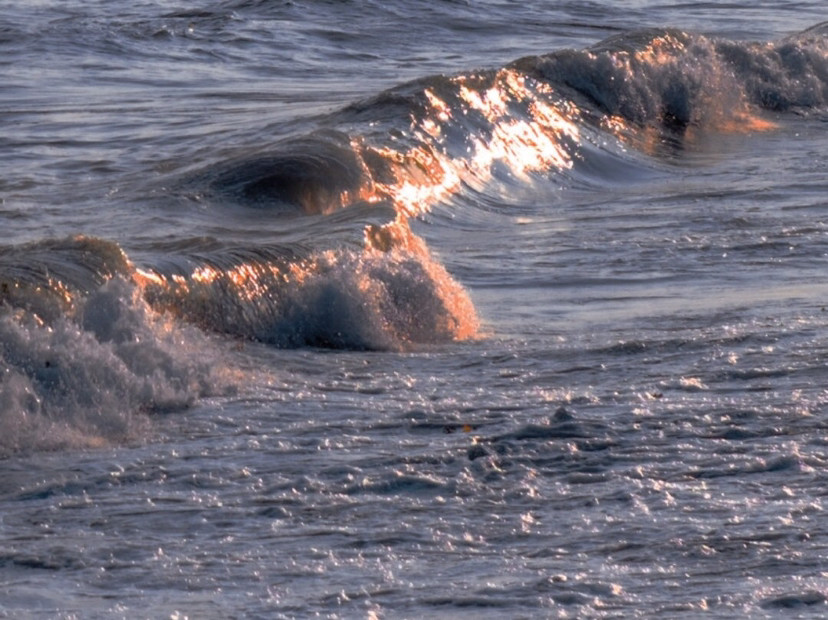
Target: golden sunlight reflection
x,y
406,295
720,105
520,131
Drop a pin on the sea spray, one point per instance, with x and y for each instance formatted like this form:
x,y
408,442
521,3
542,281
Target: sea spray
x,y
90,376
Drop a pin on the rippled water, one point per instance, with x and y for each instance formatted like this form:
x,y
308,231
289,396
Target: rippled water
x,y
445,309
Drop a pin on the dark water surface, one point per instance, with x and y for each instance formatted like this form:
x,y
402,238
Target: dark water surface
x,y
403,310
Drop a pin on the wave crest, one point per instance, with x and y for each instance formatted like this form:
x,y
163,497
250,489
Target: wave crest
x,y
392,295
421,142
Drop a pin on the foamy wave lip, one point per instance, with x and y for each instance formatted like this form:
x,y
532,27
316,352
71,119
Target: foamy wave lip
x,y
88,379
376,301
676,80
390,296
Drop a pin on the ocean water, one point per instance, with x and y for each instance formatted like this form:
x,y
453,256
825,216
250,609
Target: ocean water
x,y
457,309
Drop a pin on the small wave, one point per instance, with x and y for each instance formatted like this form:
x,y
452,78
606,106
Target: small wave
x,y
677,79
45,277
419,143
89,342
391,295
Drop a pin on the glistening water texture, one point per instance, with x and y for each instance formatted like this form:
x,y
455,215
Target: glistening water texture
x,y
403,310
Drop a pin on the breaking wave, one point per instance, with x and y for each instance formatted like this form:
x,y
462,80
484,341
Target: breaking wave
x,y
90,337
83,358
416,144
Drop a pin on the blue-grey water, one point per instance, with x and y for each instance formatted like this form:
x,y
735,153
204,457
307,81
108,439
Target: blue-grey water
x,y
457,309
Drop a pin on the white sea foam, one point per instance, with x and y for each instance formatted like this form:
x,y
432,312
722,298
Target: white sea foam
x,y
394,297
91,378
